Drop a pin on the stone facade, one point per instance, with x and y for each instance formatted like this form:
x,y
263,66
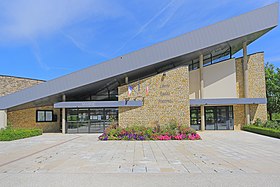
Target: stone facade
x,y
257,89
239,116
10,84
167,100
26,118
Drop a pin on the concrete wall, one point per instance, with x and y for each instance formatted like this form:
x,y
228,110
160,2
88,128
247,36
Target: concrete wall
x,y
219,81
10,84
26,118
257,89
168,99
3,119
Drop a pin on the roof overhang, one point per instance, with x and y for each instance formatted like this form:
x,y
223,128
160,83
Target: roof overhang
x,y
154,59
227,101
98,104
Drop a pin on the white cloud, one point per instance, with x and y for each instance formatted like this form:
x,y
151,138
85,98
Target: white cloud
x,y
25,19
145,26
83,47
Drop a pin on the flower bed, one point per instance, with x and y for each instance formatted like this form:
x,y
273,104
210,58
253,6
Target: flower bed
x,y
166,132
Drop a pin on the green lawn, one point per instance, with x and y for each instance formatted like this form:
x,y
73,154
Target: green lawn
x,y
15,134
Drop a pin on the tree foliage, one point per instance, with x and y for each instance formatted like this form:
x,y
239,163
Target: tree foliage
x,y
272,77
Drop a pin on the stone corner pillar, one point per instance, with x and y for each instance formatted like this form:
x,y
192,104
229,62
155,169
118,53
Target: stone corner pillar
x,y
246,82
63,116
3,119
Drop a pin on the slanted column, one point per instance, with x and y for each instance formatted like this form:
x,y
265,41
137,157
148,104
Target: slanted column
x,y
202,123
3,119
63,116
246,86
126,80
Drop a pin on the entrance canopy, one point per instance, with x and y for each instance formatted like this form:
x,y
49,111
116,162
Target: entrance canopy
x,y
227,101
98,104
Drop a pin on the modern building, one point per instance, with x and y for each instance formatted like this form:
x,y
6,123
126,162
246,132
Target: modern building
x,y
192,79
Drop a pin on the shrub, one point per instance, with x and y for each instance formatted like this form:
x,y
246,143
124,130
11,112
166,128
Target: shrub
x,y
262,130
267,124
272,125
15,134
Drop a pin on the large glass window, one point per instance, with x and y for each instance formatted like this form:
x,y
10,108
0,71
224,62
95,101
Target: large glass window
x,y
219,118
90,120
216,118
195,118
44,116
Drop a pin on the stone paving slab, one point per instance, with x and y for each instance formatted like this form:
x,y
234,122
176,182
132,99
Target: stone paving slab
x,y
221,153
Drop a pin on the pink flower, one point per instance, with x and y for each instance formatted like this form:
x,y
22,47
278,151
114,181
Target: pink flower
x,y
164,137
194,137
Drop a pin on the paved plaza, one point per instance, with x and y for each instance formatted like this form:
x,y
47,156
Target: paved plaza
x,y
222,157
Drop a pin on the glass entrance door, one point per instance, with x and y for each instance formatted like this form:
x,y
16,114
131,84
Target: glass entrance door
x,y
210,120
96,120
219,118
90,120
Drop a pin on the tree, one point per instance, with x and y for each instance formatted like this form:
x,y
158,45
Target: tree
x,y
272,77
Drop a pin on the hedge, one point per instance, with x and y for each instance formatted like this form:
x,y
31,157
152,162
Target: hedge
x,y
15,134
262,130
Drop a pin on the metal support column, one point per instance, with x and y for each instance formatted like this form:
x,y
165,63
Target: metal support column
x,y
202,123
63,116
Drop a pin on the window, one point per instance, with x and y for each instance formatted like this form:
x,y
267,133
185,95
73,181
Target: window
x,y
44,116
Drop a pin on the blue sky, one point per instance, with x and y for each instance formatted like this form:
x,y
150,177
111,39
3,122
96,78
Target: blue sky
x,y
45,39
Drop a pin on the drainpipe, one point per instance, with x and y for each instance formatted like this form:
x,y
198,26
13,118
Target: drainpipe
x,y
202,122
246,86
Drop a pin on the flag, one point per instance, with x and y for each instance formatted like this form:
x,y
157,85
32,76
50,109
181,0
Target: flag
x,y
147,90
129,90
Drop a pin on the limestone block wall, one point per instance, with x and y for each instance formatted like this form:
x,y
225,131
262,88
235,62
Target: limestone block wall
x,y
168,99
26,118
10,84
257,88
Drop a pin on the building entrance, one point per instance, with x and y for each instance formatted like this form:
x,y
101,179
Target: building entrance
x,y
90,120
216,118
219,118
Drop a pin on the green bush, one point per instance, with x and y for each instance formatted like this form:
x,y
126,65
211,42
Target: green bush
x,y
268,124
262,130
15,134
272,125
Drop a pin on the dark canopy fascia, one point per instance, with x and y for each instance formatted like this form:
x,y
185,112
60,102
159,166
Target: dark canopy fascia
x,y
98,104
228,101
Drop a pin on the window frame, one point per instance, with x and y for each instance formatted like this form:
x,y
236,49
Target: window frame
x,y
45,116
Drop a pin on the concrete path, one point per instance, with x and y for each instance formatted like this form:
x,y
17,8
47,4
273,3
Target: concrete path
x,y
221,158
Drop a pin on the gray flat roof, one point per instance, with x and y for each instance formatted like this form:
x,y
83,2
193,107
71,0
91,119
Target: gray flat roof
x,y
232,32
98,104
227,101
